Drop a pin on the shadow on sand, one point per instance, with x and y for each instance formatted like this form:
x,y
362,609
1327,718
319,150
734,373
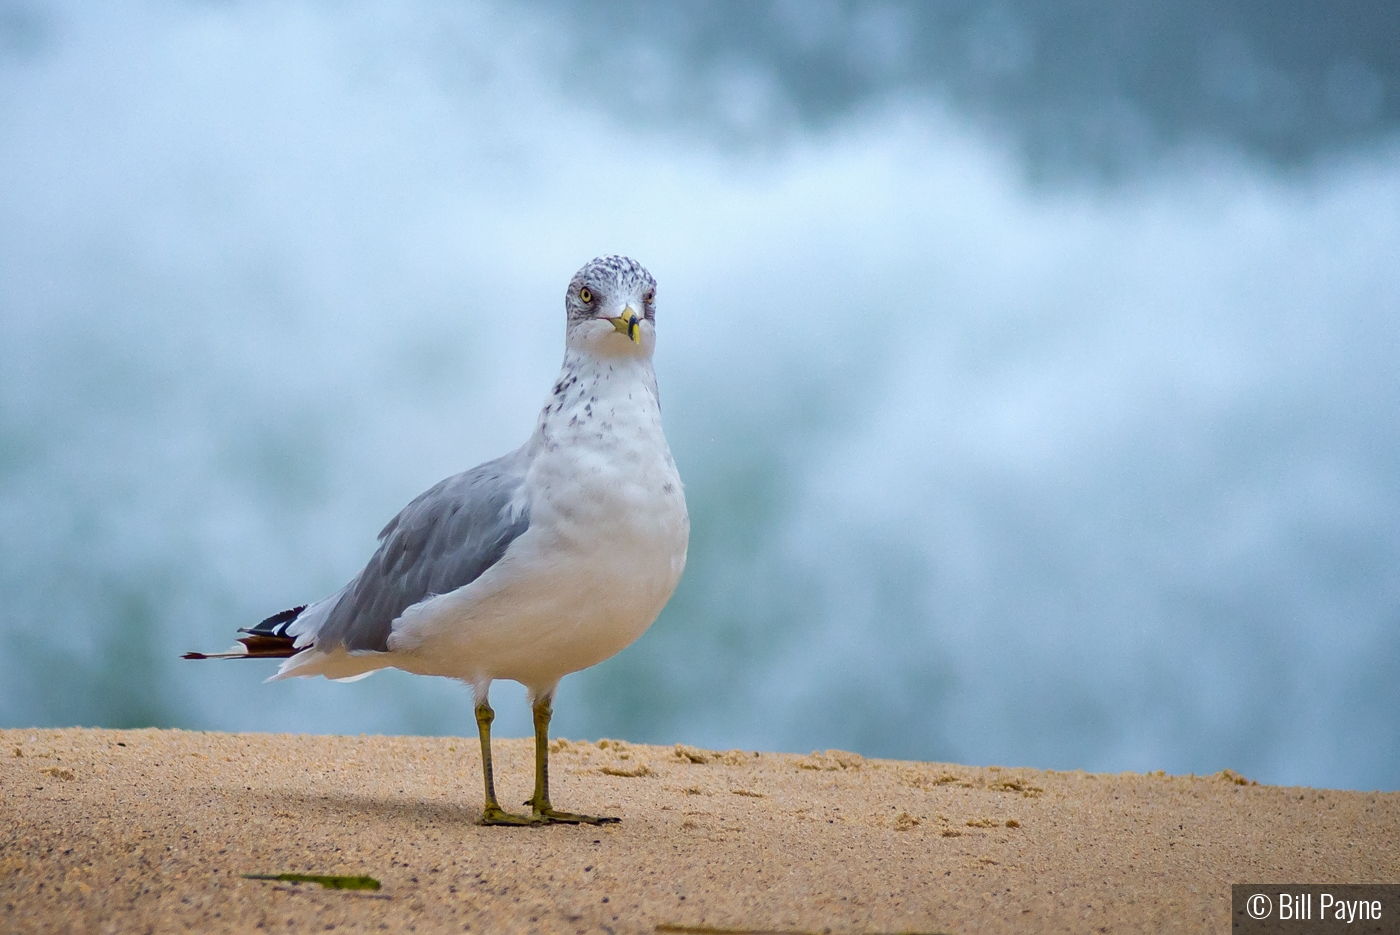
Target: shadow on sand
x,y
311,805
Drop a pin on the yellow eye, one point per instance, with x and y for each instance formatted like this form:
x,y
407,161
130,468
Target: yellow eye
x,y
585,294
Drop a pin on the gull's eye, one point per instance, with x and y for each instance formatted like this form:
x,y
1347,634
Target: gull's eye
x,y
649,296
585,294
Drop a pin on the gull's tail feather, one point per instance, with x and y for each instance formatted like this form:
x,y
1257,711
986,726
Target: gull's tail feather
x,y
267,640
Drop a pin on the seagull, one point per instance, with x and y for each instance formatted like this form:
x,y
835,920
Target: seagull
x,y
542,562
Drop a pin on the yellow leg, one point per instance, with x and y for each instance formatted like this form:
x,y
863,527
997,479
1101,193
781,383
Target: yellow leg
x,y
493,814
540,808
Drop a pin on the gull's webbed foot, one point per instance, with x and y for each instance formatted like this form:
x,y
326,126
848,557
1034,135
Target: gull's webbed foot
x,y
495,815
551,815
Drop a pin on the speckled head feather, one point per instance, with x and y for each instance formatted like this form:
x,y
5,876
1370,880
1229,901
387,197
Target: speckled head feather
x,y
606,281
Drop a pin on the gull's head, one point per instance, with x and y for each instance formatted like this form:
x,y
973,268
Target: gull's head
x,y
611,306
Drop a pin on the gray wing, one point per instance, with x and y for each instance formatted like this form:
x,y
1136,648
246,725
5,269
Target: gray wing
x,y
441,541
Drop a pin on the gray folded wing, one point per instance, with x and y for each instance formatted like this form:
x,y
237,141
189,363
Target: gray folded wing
x,y
441,541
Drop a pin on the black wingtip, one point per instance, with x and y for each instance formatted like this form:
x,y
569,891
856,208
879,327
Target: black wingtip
x,y
276,625
267,640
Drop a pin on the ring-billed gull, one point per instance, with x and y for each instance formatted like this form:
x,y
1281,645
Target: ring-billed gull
x,y
540,563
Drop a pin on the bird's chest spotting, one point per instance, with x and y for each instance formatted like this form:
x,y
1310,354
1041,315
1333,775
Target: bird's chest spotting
x,y
604,483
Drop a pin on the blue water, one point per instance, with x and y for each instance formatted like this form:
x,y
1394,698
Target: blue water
x,y
1083,474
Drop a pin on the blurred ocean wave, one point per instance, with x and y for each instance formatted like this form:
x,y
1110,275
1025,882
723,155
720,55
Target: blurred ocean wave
x,y
1095,475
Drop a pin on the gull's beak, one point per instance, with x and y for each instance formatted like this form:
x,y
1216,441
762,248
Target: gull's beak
x,y
628,323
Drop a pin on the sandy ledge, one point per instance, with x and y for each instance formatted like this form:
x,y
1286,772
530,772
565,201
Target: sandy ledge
x,y
150,831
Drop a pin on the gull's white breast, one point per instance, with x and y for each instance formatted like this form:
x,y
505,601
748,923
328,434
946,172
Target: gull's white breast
x,y
604,550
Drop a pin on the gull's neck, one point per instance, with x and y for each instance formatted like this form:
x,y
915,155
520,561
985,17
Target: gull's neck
x,y
583,376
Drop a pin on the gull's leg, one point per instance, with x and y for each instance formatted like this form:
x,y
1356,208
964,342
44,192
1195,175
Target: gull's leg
x,y
493,814
543,707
